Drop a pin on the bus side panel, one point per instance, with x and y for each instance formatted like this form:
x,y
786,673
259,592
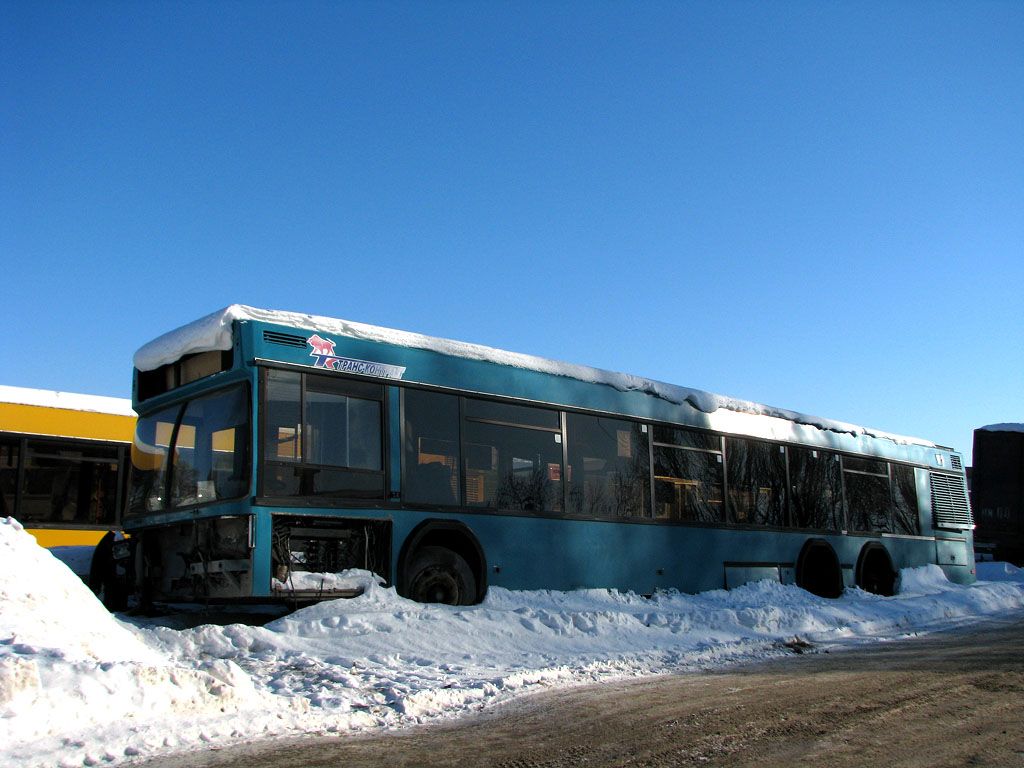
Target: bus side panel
x,y
535,553
561,554
955,559
61,422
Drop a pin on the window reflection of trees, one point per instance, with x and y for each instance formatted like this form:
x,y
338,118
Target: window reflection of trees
x,y
528,488
757,482
506,464
817,489
512,467
687,484
868,498
905,516
609,468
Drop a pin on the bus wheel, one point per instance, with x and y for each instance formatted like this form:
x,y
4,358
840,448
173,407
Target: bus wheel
x,y
818,570
104,580
438,575
875,573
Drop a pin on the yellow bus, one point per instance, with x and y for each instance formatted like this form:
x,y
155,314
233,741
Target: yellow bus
x,y
64,470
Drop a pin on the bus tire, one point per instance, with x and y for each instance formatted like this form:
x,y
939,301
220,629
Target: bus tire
x,y
439,575
818,569
103,577
875,572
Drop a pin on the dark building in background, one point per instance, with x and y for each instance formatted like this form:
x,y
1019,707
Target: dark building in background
x,y
997,492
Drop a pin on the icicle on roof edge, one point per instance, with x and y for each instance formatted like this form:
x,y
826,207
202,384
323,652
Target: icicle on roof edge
x,y
213,332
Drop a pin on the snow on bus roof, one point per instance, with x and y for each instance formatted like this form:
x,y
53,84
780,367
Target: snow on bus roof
x,y
1010,427
69,401
213,332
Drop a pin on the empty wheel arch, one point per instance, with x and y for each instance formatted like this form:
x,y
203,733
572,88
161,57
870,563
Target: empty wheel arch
x,y
442,561
875,572
818,569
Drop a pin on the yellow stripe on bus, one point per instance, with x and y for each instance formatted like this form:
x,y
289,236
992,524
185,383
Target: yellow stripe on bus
x,y
54,537
37,420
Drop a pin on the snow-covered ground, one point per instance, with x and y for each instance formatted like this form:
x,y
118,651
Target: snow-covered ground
x,y
79,687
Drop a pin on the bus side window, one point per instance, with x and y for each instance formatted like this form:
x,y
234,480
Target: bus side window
x,y
8,476
431,436
868,498
817,489
687,484
757,482
68,483
513,456
904,489
322,436
609,467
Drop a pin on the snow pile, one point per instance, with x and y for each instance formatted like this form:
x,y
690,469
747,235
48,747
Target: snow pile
x,y
77,557
68,667
45,604
213,332
82,688
990,571
351,580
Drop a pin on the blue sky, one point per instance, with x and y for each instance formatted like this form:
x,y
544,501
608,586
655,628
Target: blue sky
x,y
818,206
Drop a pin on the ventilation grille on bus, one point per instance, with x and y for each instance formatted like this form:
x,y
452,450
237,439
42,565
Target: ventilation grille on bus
x,y
286,339
955,462
950,507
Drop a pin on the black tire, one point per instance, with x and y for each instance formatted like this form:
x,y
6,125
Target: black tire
x,y
875,573
818,570
104,579
438,575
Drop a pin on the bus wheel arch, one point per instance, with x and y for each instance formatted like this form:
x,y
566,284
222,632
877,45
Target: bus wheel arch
x,y
875,572
818,569
442,561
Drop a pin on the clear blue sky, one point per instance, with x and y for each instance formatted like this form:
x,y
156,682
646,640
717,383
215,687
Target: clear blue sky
x,y
818,206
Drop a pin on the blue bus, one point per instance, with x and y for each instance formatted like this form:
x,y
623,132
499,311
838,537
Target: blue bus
x,y
275,450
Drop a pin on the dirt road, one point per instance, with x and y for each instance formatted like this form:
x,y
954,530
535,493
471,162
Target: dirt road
x,y
954,698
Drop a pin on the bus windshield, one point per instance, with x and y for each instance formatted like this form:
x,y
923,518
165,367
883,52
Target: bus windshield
x,y
192,453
